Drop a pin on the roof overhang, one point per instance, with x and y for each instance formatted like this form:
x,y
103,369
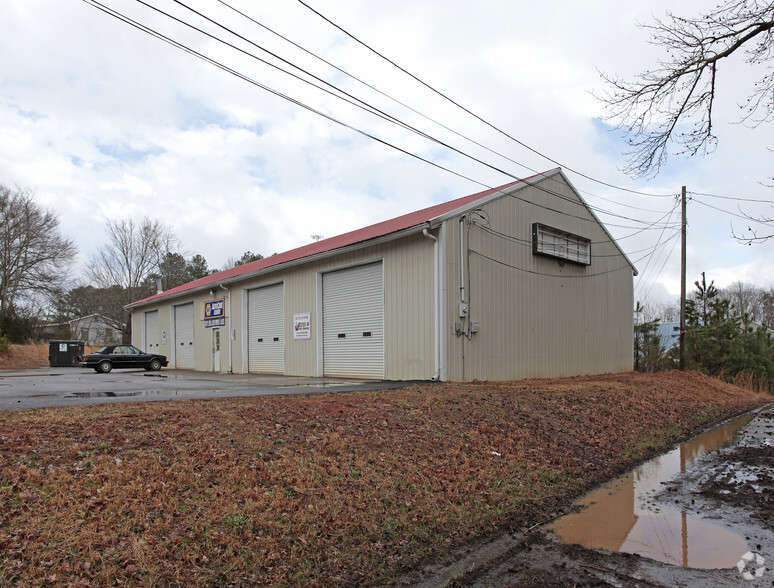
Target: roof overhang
x,y
416,229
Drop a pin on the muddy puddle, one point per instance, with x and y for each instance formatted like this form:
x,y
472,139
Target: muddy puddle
x,y
133,393
622,516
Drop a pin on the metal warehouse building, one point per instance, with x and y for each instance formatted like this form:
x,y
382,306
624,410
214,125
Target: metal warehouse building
x,y
515,282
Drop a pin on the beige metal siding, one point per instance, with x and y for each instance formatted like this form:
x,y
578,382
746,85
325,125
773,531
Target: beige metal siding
x,y
408,309
163,325
537,317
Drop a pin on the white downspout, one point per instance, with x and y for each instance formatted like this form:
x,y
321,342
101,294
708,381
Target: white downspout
x,y
443,299
436,304
462,260
230,338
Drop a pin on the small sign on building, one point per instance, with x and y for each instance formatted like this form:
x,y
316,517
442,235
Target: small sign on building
x,y
214,313
302,326
214,308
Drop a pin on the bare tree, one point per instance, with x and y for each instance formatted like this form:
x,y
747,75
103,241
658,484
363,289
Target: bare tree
x,y
681,90
746,300
767,308
34,257
751,235
133,252
668,312
247,257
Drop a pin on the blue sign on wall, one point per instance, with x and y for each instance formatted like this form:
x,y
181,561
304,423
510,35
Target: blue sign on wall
x,y
214,312
214,308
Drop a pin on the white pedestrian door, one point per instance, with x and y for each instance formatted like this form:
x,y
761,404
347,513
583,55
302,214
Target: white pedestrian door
x,y
184,346
152,331
353,322
216,350
266,330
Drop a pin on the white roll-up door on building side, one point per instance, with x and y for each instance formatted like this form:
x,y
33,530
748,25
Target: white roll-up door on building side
x,y
184,329
353,322
266,330
152,331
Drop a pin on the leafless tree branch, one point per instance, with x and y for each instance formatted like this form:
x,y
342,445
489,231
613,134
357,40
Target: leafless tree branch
x,y
34,257
673,103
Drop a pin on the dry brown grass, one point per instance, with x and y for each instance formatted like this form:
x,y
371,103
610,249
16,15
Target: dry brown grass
x,y
326,489
25,357
31,356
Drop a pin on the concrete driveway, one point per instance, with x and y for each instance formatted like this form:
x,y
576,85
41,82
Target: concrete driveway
x,y
47,387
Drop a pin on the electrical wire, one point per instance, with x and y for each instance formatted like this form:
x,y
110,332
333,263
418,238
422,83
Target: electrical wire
x,y
744,217
183,47
731,198
663,265
547,275
403,104
361,103
528,242
644,271
227,69
211,61
468,111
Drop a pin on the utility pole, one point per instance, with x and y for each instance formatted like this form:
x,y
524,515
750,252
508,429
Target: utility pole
x,y
682,286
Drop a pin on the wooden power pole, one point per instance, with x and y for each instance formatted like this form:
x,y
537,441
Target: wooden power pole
x,y
682,285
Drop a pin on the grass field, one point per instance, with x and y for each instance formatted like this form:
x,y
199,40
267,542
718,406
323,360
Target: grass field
x,y
324,489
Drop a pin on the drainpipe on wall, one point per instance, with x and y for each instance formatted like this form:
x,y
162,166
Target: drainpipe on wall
x,y
462,259
230,334
436,304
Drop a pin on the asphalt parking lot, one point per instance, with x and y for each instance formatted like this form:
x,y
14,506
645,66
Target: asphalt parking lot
x,y
47,387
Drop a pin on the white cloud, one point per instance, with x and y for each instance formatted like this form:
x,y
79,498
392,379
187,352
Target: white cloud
x,y
106,122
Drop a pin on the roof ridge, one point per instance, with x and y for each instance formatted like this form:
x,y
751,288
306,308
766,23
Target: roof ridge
x,y
367,233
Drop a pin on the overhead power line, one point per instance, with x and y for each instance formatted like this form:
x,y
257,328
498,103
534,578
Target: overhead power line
x,y
401,103
744,217
470,112
527,181
731,198
362,104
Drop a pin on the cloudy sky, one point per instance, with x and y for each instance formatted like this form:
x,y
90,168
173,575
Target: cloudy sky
x,y
104,121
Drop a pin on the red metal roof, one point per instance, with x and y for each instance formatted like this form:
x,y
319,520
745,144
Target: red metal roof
x,y
381,229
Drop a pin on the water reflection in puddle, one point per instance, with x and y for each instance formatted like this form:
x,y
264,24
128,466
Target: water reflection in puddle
x,y
128,393
617,516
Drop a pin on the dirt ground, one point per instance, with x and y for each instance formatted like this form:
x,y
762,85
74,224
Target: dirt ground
x,y
362,488
733,487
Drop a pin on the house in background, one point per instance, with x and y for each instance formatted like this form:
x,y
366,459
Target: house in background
x,y
669,334
514,282
93,329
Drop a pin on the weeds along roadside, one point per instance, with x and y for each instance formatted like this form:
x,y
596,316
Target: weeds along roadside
x,y
323,489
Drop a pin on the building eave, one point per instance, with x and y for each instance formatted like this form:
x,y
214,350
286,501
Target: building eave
x,y
416,229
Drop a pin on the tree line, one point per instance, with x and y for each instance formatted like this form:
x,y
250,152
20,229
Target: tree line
x,y
728,334
36,262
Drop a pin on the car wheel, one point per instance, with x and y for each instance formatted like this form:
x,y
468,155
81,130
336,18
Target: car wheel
x,y
105,367
155,365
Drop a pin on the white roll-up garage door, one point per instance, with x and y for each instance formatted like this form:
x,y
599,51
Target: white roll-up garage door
x,y
152,331
353,322
184,330
266,330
